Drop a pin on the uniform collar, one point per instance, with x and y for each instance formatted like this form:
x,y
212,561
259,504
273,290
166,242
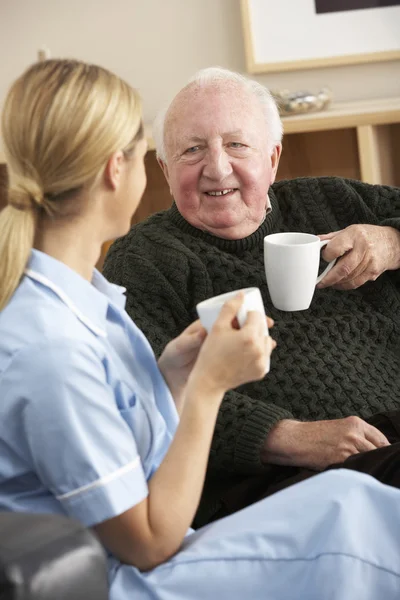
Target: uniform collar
x,y
89,301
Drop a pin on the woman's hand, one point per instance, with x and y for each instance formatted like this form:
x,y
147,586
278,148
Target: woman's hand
x,y
231,356
177,360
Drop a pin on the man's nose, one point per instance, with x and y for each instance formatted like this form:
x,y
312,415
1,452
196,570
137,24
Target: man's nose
x,y
217,164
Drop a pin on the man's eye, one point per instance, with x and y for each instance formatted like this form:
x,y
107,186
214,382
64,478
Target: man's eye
x,y
236,145
192,149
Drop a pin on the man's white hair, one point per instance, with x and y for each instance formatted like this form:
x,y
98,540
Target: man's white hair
x,y
216,75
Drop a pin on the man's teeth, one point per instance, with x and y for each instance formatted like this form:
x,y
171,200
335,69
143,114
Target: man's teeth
x,y
222,193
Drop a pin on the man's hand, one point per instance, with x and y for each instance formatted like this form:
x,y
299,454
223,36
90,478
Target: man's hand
x,y
318,444
366,251
177,360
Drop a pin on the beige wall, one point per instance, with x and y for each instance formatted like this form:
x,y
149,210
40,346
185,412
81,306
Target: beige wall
x,y
158,44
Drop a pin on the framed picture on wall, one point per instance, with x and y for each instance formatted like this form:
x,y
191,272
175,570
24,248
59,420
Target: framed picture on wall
x,y
286,35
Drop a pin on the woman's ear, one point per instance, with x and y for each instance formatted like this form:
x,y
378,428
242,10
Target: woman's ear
x,y
113,170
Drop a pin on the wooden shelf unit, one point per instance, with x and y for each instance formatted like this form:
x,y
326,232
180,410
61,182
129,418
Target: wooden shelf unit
x,y
355,139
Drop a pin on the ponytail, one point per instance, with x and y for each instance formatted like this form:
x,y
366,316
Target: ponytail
x,y
17,232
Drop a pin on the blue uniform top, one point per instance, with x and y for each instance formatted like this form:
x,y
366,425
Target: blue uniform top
x,y
85,420
85,414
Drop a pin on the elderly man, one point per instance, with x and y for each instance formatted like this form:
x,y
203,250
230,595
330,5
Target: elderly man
x,y
336,364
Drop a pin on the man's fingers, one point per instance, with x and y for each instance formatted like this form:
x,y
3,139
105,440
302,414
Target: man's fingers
x,y
327,236
352,284
341,248
361,248
376,437
349,267
364,445
339,273
338,246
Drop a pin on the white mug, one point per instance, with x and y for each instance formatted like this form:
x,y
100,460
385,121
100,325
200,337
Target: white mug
x,y
291,267
209,309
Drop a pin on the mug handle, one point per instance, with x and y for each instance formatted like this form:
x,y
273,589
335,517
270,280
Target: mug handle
x,y
329,267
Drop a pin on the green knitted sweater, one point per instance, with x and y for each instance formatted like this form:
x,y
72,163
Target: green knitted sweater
x,y
340,357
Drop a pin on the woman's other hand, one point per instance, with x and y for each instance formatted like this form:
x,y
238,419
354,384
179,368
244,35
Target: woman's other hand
x,y
177,360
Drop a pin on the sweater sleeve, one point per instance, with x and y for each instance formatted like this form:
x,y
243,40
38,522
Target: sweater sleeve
x,y
357,202
382,201
157,304
242,426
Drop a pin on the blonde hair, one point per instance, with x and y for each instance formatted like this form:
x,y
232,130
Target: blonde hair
x,y
61,122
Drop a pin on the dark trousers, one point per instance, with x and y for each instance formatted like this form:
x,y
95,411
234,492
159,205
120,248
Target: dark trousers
x,y
382,463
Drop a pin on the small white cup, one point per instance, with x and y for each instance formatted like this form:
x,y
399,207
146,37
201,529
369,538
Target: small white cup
x,y
209,309
291,267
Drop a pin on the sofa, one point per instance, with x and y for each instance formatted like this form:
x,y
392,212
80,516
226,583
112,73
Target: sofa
x,y
49,557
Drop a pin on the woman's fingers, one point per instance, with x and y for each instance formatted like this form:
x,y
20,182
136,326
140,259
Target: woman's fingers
x,y
230,310
194,328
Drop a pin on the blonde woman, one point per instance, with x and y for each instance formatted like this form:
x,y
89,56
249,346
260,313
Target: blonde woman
x,y
89,421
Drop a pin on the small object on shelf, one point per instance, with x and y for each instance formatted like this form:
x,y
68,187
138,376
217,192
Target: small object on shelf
x,y
292,103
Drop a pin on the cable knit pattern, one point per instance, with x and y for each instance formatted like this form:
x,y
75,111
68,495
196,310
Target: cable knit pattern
x,y
340,357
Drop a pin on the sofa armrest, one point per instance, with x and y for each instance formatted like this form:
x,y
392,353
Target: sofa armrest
x,y
49,557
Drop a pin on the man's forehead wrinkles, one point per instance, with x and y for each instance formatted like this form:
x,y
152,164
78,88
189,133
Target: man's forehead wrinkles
x,y
206,114
200,136
194,93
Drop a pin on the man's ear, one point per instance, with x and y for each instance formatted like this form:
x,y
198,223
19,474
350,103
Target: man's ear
x,y
164,168
275,157
113,170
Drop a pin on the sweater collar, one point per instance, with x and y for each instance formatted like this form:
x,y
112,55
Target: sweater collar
x,y
269,225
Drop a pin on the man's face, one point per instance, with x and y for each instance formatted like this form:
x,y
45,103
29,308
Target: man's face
x,y
218,165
